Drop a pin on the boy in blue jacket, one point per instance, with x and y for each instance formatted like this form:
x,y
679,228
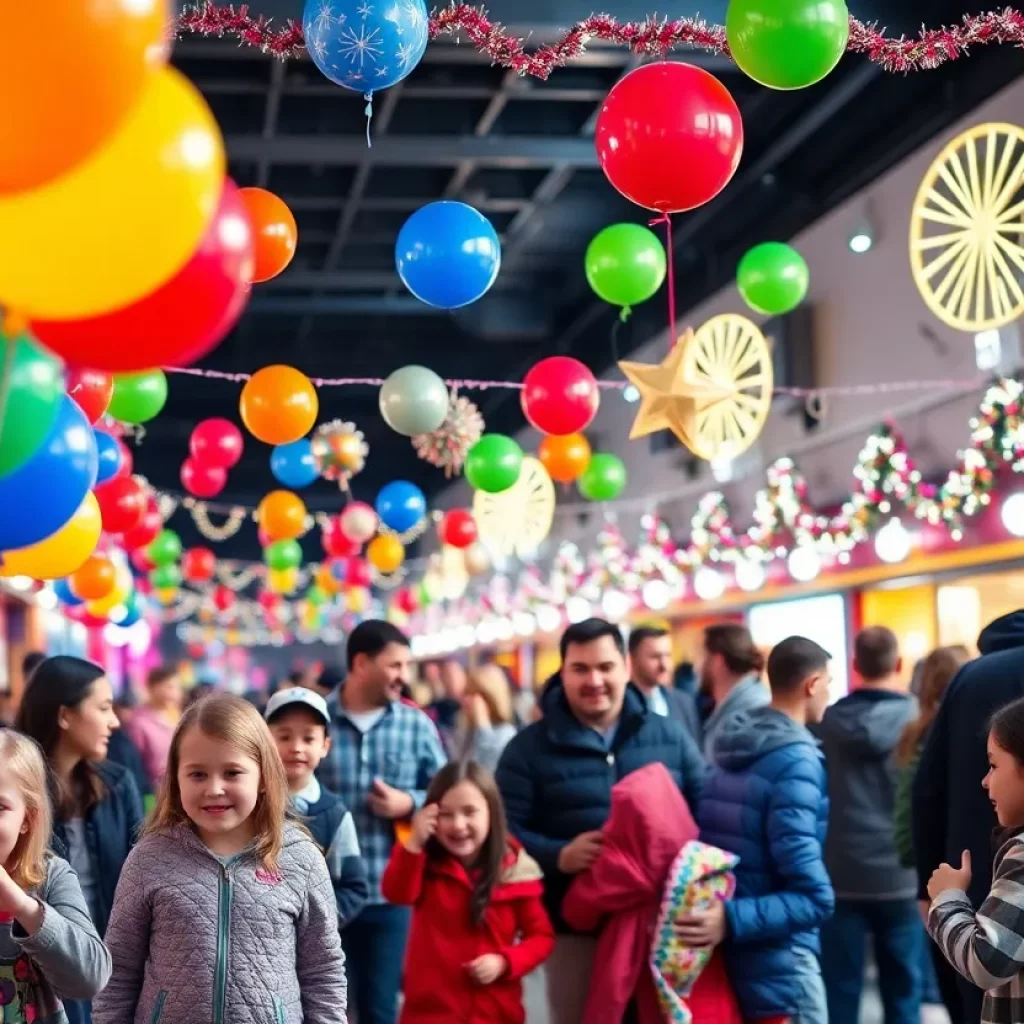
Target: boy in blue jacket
x,y
767,803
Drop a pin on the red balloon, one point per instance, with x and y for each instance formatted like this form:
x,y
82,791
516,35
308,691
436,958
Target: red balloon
x,y
196,651
559,396
183,319
335,543
141,562
669,136
357,573
144,533
458,528
122,504
268,601
127,466
216,442
405,601
201,480
91,390
223,598
198,565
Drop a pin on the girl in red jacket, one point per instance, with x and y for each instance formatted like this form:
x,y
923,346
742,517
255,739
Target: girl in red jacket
x,y
478,924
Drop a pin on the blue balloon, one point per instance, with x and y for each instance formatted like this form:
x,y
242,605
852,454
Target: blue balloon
x,y
133,613
365,45
294,465
65,594
38,498
401,505
108,452
448,254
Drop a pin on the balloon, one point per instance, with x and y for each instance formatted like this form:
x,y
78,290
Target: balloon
x,y
165,549
448,254
325,577
337,544
405,601
294,465
99,60
262,537
283,554
202,480
147,530
787,44
414,400
559,396
165,577
138,397
127,460
91,390
493,463
400,505
199,565
117,595
275,234
223,598
565,457
385,552
625,264
477,559
216,442
122,504
357,599
165,595
183,318
60,554
282,581
61,588
141,561
278,405
132,613
604,479
108,453
95,579
39,497
365,46
358,522
357,572
34,389
123,221
316,596
458,528
772,278
669,136
282,515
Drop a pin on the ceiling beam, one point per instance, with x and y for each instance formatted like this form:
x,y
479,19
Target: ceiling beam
x,y
333,305
270,115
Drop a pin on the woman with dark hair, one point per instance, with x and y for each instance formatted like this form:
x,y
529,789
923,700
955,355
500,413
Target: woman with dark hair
x,y
68,709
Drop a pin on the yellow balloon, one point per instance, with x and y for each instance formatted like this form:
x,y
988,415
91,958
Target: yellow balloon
x,y
357,599
166,595
282,581
63,552
385,552
125,220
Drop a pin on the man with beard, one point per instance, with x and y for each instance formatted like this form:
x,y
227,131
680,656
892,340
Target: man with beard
x,y
650,662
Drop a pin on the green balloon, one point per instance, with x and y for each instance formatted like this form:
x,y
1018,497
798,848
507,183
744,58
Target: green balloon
x,y
493,463
772,278
283,554
164,577
316,596
625,264
31,387
604,479
787,44
138,397
165,548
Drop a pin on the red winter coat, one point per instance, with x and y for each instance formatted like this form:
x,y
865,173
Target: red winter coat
x,y
621,894
443,938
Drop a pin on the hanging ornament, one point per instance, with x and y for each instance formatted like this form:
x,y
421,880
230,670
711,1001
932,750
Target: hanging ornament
x,y
448,446
358,521
340,451
516,520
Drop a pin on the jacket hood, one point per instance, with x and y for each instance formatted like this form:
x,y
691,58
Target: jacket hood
x,y
867,723
747,736
1004,634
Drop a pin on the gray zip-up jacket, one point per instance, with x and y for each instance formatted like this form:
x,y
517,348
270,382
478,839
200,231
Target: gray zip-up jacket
x,y
201,940
65,959
747,695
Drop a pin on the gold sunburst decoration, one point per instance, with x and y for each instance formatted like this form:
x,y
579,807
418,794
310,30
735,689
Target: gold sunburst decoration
x,y
967,230
517,520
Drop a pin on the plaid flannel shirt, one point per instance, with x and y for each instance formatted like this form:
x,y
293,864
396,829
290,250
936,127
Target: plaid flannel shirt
x,y
402,749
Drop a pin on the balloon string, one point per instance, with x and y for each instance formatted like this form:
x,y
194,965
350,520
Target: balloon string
x,y
667,221
368,111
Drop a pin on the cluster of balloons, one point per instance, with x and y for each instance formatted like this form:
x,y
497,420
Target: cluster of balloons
x,y
215,447
282,520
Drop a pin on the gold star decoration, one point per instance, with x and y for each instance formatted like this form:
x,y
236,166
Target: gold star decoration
x,y
669,399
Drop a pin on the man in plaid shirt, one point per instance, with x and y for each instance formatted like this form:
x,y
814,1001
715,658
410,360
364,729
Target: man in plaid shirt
x,y
383,755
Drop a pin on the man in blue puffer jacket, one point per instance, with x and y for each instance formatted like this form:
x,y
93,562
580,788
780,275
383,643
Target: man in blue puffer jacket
x,y
767,802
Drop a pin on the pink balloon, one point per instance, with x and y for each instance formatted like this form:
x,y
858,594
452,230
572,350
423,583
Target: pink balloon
x,y
201,480
216,442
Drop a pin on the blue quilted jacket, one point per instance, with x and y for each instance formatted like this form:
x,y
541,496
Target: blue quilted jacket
x,y
767,802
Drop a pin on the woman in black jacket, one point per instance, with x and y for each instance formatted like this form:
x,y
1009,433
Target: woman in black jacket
x,y
68,709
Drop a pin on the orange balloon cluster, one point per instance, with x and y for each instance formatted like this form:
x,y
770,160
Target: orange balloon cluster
x,y
565,457
279,405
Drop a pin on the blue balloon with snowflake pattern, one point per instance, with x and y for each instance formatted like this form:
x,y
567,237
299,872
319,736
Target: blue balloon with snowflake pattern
x,y
365,45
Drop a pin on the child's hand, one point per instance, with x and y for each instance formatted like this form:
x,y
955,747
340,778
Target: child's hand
x,y
424,825
946,877
17,903
487,969
387,802
703,928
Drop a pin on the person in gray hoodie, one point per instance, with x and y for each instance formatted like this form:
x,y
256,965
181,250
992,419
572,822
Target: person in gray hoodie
x,y
875,894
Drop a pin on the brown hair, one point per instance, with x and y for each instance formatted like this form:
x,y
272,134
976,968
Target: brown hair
x,y
937,671
492,853
23,758
736,646
491,683
160,675
876,653
235,721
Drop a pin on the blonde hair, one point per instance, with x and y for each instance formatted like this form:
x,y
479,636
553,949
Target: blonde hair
x,y
492,684
24,760
234,721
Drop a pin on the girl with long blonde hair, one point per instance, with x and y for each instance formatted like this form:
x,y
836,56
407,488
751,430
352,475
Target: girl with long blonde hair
x,y
486,722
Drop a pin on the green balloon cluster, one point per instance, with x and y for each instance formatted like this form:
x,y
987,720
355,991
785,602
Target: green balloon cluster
x,y
625,265
494,463
31,389
772,278
138,397
604,479
283,554
165,549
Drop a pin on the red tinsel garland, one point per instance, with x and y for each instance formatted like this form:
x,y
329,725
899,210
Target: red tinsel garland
x,y
653,37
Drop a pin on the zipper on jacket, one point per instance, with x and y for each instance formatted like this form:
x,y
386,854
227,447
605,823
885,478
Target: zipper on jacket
x,y
278,1011
158,1007
220,977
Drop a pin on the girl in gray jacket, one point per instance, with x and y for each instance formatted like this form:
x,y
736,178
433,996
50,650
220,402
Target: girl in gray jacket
x,y
224,913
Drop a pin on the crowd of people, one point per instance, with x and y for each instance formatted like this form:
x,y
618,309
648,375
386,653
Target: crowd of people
x,y
724,850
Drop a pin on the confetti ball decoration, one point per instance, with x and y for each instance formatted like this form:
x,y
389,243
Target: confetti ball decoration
x,y
414,400
660,118
94,580
494,463
787,44
458,528
216,442
772,278
400,505
138,397
34,391
63,552
604,479
294,465
448,446
278,405
275,234
199,565
165,549
340,451
282,515
625,265
364,45
385,553
560,396
201,479
358,521
122,504
283,554
565,457
91,391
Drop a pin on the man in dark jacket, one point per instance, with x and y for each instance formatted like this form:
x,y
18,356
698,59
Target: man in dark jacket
x,y
950,811
766,801
874,895
650,663
556,779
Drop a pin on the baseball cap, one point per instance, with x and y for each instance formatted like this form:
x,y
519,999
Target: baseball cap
x,y
297,695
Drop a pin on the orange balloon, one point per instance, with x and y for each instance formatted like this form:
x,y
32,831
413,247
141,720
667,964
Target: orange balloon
x,y
94,580
565,457
282,515
278,405
98,57
274,232
385,553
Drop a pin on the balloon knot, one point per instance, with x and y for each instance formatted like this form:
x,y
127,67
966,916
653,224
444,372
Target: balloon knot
x,y
625,314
